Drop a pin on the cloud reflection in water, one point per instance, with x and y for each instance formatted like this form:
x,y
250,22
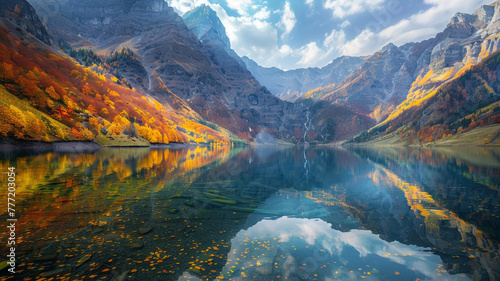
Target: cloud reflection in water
x,y
309,249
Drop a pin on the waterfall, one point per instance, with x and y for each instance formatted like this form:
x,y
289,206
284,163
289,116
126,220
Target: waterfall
x,y
307,128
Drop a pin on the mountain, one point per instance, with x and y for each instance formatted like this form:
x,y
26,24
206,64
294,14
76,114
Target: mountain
x,y
383,85
144,51
201,74
206,26
291,85
396,79
381,81
384,78
471,101
46,96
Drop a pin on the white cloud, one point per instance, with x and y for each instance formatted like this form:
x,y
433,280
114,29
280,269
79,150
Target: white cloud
x,y
408,32
285,50
310,2
183,6
345,24
335,40
250,36
343,8
365,43
288,20
310,54
262,14
254,36
317,235
241,6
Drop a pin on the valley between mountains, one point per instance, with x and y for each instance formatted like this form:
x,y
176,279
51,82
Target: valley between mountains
x,y
135,73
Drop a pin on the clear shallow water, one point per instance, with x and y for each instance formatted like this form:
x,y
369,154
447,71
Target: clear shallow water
x,y
265,213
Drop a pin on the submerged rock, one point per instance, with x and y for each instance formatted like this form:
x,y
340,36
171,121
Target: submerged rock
x,y
134,246
145,230
83,259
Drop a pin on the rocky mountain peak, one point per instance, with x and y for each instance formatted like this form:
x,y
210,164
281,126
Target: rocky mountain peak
x,y
485,13
462,18
389,47
460,26
206,25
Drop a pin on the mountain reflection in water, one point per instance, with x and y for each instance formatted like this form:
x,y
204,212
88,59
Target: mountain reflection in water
x,y
257,213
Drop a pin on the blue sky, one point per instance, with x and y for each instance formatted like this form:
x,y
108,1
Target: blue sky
x,y
291,34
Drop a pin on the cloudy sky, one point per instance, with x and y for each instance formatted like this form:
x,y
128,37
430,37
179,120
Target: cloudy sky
x,y
293,34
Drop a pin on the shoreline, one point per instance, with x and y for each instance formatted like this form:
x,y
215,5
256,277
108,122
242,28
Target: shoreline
x,y
176,145
80,146
428,145
59,146
91,146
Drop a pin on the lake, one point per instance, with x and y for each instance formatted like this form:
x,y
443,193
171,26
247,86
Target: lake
x,y
255,213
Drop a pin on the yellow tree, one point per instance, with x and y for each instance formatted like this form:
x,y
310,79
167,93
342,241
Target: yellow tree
x,y
94,125
52,93
18,117
104,112
91,109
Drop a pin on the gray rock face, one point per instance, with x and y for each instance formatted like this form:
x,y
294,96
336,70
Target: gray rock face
x,y
207,27
484,13
464,36
205,24
24,15
104,22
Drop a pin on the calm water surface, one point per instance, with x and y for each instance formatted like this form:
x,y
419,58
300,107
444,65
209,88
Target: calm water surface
x,y
263,213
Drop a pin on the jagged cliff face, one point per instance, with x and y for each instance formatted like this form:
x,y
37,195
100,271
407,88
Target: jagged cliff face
x,y
207,27
467,38
382,78
212,83
381,82
22,14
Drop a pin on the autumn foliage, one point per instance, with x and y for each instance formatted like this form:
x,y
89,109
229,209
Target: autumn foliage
x,y
469,101
58,99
